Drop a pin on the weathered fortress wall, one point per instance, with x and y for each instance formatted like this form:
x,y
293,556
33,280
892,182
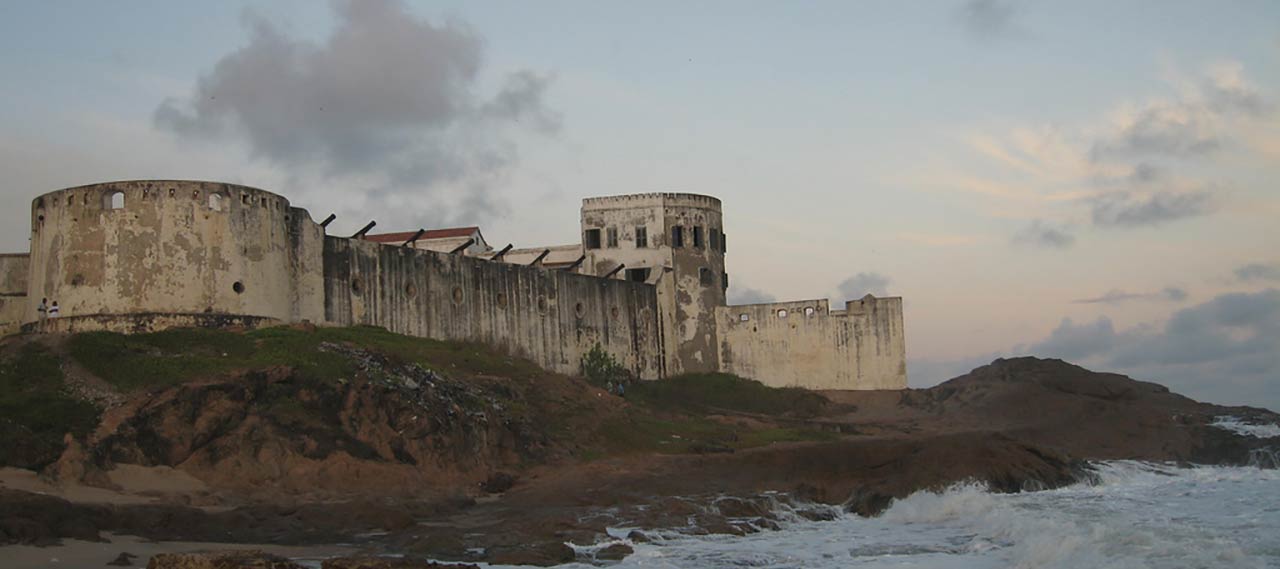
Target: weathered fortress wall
x,y
146,255
550,317
13,290
804,344
136,255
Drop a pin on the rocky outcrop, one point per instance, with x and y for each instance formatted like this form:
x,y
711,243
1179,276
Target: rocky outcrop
x,y
392,428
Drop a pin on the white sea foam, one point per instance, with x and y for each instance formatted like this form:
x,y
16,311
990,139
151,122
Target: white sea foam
x,y
1136,515
1239,427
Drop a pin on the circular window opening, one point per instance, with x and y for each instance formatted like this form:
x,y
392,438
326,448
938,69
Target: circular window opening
x,y
613,313
457,295
502,300
238,287
579,310
542,304
410,291
357,286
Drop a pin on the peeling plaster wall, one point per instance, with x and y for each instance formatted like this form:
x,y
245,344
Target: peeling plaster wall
x,y
14,268
689,326
550,317
861,347
175,247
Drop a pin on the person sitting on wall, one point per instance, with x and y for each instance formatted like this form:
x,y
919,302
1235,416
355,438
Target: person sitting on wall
x,y
42,314
53,310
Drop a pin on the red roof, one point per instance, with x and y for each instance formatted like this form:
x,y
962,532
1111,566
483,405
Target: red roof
x,y
402,236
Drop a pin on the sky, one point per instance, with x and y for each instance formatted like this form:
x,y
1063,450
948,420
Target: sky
x,y
1095,181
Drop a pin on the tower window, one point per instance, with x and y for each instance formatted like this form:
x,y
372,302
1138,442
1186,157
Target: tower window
x,y
115,200
677,236
715,239
611,238
724,243
724,281
592,238
697,236
705,276
642,237
638,275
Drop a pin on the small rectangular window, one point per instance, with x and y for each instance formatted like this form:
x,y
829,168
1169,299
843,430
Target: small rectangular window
x,y
724,243
715,239
611,238
638,275
724,281
697,236
677,236
642,237
592,238
705,276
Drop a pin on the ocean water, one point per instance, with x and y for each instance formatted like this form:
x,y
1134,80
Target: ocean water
x,y
1135,515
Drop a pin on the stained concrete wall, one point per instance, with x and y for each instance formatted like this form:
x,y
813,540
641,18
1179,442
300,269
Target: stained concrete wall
x,y
804,344
14,268
688,300
174,247
550,317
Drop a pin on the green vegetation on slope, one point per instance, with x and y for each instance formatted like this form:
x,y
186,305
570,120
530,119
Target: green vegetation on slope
x,y
710,392
692,413
35,410
143,361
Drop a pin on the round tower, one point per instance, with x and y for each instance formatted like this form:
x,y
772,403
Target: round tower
x,y
155,253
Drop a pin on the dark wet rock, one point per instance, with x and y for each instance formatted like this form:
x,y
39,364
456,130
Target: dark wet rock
x,y
370,562
637,536
544,554
125,559
615,552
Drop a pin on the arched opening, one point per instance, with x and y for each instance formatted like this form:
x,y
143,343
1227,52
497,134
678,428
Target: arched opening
x,y
113,200
579,310
215,202
808,311
782,313
457,295
357,286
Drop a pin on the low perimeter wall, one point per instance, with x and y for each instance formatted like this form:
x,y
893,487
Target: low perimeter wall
x,y
550,317
805,344
14,269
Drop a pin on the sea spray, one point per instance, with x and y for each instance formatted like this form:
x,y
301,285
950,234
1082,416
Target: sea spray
x,y
1135,515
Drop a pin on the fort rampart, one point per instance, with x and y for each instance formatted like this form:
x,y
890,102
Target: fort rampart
x,y
649,286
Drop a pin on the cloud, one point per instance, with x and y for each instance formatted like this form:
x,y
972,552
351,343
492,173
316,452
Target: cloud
x,y
1226,349
747,295
862,284
1173,294
1187,126
1039,233
1133,209
1259,272
388,102
988,18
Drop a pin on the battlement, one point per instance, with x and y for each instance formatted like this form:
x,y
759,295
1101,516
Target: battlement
x,y
652,199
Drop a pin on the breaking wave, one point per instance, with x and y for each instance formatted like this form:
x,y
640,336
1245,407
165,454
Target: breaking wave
x,y
1240,427
1133,514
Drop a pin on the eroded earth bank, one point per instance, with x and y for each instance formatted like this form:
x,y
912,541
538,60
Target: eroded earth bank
x,y
445,451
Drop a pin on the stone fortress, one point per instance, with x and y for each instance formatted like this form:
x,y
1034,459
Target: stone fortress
x,y
647,283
